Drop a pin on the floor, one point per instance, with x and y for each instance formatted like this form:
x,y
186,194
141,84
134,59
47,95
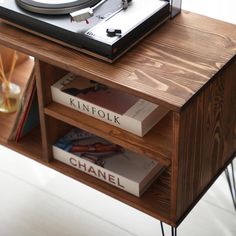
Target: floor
x,y
37,201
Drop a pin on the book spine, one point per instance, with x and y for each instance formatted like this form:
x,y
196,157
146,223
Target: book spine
x,y
25,113
122,121
96,171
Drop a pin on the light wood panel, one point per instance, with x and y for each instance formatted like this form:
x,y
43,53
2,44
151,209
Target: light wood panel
x,y
46,75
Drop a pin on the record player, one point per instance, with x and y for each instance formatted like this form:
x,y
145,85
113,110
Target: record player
x,y
102,28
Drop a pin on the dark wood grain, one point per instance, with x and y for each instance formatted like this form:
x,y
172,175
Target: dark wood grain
x,y
46,75
175,164
167,67
207,139
188,65
155,201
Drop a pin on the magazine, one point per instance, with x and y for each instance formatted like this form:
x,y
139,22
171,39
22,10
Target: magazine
x,y
107,161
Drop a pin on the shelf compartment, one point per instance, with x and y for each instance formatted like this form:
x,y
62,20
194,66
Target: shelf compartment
x,y
155,201
156,144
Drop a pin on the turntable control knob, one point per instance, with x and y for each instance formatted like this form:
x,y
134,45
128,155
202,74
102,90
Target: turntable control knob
x,y
113,32
125,3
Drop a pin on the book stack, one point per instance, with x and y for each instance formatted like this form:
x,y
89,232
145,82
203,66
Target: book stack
x,y
106,161
110,105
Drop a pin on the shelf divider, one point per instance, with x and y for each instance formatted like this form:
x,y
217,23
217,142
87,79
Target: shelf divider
x,y
156,144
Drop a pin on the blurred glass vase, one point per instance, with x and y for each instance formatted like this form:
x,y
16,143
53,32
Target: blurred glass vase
x,y
9,97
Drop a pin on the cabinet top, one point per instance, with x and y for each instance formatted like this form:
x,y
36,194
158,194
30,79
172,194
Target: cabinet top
x,y
168,67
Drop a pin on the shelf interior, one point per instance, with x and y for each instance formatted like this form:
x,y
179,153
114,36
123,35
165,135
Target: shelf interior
x,y
157,143
156,199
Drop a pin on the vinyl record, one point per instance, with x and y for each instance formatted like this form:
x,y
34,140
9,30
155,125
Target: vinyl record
x,y
55,7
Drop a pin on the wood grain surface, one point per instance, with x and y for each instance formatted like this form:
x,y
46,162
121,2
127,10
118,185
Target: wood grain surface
x,y
187,65
156,144
167,68
207,139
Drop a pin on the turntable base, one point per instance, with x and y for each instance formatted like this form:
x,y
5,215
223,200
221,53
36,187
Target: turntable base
x,y
90,36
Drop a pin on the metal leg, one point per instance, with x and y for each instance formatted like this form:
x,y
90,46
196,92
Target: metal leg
x,y
173,230
229,172
162,228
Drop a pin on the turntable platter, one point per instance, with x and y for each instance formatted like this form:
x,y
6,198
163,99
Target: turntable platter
x,y
55,7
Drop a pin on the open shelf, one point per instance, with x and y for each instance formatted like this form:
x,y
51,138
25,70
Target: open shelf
x,y
157,143
195,140
155,201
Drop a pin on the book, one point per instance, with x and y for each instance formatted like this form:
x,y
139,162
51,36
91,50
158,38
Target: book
x,y
107,161
113,106
30,116
26,91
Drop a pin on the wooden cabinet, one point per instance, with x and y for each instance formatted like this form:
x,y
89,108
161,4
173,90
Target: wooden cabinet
x,y
188,65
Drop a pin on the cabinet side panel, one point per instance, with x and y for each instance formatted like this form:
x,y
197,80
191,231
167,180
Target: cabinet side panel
x,y
207,138
174,166
46,75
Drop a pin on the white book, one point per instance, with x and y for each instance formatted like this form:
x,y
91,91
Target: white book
x,y
106,161
115,107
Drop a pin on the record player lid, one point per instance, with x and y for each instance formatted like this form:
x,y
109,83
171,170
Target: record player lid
x,y
55,7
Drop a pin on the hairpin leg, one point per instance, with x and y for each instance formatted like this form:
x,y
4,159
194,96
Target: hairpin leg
x,y
229,172
173,230
162,229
